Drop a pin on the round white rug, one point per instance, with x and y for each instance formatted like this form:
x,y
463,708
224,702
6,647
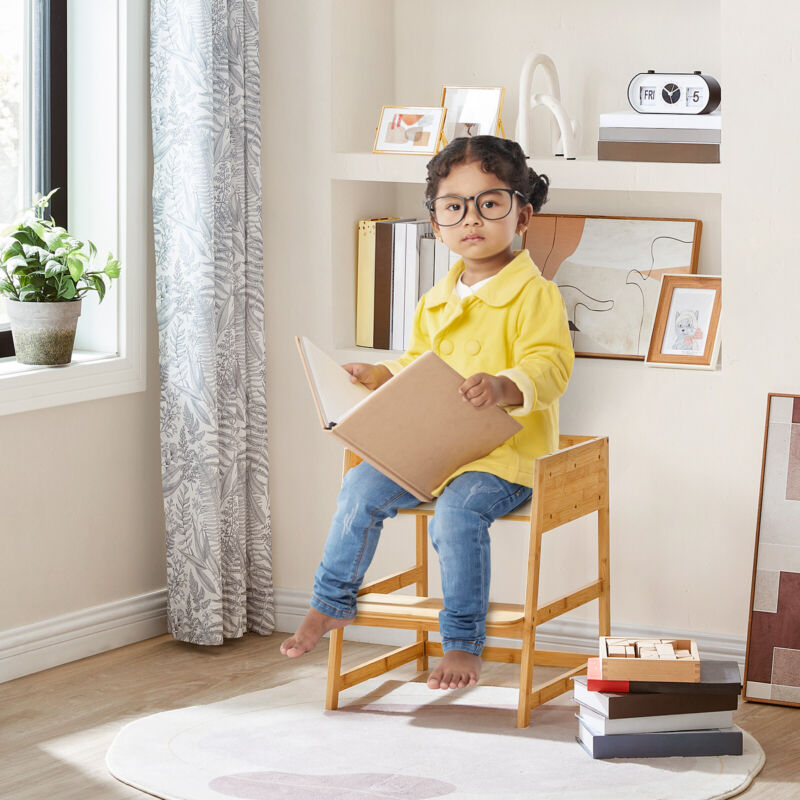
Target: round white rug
x,y
393,740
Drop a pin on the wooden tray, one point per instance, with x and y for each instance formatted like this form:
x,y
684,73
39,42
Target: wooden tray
x,y
630,659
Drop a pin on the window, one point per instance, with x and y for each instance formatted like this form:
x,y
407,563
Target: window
x,y
33,112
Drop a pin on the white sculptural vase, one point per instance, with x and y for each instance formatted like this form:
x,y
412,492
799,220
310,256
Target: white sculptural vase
x,y
565,132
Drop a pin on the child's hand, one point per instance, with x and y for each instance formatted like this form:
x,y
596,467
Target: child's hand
x,y
484,390
371,375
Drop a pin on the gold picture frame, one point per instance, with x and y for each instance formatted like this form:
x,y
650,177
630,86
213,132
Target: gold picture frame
x,y
686,325
416,130
482,105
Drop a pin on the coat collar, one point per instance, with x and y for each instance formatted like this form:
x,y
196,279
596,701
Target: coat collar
x,y
499,291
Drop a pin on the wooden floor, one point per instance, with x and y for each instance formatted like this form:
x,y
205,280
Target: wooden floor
x,y
56,725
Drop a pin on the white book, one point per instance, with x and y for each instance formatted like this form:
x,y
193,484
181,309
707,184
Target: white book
x,y
663,722
330,383
426,263
398,286
661,135
414,230
631,119
441,261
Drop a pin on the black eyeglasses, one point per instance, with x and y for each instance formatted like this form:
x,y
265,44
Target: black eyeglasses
x,y
493,204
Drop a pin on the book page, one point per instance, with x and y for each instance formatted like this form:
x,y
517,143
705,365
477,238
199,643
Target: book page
x,y
333,391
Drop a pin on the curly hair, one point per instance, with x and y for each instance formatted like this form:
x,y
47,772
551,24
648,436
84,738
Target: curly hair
x,y
501,157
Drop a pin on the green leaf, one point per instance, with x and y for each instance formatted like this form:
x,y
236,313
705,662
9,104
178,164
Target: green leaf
x,y
92,250
27,294
75,267
54,267
16,262
67,289
112,267
32,251
22,236
100,285
11,248
7,288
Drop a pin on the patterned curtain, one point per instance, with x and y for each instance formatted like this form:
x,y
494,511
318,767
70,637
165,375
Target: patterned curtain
x,y
204,87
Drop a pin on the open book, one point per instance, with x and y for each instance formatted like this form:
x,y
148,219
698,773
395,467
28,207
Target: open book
x,y
415,428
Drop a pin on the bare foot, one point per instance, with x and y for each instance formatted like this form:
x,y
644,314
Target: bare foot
x,y
314,626
455,671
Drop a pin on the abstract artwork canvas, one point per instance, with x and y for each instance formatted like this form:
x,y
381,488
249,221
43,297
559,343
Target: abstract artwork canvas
x,y
772,663
609,270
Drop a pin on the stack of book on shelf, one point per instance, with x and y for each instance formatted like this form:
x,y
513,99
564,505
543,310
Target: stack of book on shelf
x,y
677,138
645,698
398,261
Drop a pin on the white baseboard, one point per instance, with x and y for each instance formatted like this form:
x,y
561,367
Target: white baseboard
x,y
59,640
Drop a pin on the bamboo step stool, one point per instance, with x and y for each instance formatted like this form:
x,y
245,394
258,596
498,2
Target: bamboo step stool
x,y
568,484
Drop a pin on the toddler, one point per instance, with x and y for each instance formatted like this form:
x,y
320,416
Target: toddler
x,y
496,320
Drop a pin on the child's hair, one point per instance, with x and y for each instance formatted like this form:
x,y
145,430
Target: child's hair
x,y
502,157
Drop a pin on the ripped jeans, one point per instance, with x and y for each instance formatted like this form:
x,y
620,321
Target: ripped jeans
x,y
459,532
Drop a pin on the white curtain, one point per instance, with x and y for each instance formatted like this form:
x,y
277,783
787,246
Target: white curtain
x,y
204,88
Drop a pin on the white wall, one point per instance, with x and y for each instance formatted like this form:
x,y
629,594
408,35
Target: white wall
x,y
81,520
685,446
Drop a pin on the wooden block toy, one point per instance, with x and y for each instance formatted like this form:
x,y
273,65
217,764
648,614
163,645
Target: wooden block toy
x,y
649,660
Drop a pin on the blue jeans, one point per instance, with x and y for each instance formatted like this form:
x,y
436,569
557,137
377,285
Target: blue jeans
x,y
459,532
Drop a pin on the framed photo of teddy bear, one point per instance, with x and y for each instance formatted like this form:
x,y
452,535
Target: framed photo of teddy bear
x,y
686,325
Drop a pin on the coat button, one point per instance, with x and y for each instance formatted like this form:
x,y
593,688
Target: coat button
x,y
473,347
446,347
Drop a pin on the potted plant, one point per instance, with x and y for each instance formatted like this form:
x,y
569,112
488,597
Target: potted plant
x,y
44,274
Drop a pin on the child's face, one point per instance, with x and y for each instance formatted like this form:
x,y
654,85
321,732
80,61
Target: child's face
x,y
474,238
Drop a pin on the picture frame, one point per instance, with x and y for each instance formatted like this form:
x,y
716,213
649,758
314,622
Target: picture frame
x,y
608,270
685,329
409,129
473,111
772,658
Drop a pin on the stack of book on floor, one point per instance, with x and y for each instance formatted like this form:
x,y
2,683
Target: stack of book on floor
x,y
398,261
627,709
677,138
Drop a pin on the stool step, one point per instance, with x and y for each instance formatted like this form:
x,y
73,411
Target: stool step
x,y
414,610
522,512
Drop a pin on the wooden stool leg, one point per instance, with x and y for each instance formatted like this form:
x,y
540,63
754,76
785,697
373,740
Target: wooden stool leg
x,y
604,572
334,669
531,607
422,584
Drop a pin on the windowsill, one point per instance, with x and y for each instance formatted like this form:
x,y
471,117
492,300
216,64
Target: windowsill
x,y
91,376
10,366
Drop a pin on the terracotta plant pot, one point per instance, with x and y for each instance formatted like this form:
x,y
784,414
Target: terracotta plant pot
x,y
43,333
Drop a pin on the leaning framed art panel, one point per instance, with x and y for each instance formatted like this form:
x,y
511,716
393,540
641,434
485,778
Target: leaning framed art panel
x,y
772,660
609,270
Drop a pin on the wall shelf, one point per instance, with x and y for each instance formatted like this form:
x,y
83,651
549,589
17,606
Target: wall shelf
x,y
583,174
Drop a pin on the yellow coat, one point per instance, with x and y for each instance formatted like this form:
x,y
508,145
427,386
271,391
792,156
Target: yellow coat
x,y
515,325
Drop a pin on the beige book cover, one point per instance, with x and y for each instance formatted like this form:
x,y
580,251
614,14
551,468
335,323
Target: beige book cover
x,y
415,428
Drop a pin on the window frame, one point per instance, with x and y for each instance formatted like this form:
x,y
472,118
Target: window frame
x,y
49,99
124,26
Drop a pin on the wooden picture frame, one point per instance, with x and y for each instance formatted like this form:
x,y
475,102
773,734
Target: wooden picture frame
x,y
772,659
473,111
409,129
686,326
608,270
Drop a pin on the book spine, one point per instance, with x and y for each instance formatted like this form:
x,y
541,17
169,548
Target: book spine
x,y
657,724
426,262
633,120
661,135
727,742
412,278
441,261
382,322
365,283
399,287
673,153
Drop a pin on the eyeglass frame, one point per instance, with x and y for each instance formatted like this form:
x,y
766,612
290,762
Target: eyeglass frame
x,y
474,198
